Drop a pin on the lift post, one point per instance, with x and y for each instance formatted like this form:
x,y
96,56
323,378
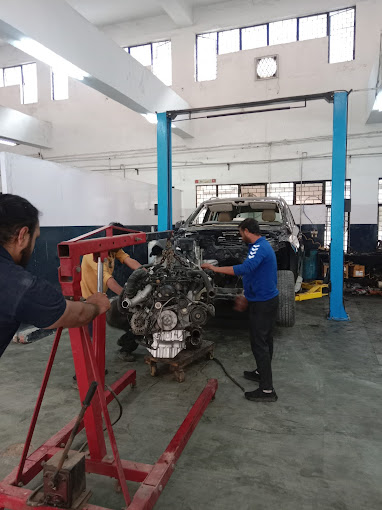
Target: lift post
x,y
340,109
340,119
164,149
89,361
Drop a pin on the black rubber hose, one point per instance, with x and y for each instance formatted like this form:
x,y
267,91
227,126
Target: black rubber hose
x,y
207,283
228,375
131,286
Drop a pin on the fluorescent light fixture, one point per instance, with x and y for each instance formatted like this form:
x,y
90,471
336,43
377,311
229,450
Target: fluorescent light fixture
x,y
378,102
37,50
4,141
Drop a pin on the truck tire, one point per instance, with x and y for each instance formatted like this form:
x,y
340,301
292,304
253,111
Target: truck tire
x,y
286,315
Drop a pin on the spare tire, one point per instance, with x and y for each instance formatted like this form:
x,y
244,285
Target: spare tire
x,y
286,315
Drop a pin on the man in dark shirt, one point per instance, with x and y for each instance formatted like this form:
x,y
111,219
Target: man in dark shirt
x,y
259,272
24,298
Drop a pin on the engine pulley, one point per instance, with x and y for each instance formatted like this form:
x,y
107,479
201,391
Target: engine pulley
x,y
167,320
139,323
199,315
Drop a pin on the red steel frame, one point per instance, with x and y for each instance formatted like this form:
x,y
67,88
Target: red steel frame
x,y
89,362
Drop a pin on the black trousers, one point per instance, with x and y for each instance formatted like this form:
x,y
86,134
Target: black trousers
x,y
262,320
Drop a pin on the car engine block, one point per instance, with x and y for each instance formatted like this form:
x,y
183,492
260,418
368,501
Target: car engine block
x,y
165,305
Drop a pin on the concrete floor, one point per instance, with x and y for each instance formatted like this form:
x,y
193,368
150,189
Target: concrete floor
x,y
318,447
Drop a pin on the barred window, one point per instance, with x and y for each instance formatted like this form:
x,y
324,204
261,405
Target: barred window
x,y
253,190
205,192
156,56
26,77
254,37
228,41
328,202
309,193
228,190
341,32
206,56
328,226
313,27
281,32
328,191
338,25
284,190
60,85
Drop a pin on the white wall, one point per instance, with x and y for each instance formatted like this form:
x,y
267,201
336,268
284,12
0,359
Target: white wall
x,y
73,197
98,134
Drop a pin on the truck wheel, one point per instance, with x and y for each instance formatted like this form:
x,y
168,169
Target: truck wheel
x,y
286,315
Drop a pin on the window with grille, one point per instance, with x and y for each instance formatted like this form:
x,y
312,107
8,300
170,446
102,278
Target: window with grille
x,y
206,56
253,190
228,41
338,25
309,193
380,210
313,27
284,190
328,226
281,32
26,77
205,192
254,37
162,61
156,56
341,35
328,191
228,190
328,202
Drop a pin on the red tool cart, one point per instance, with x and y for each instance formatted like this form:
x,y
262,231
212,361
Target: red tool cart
x,y
66,488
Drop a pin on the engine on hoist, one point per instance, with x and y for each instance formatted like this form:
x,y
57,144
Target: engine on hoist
x,y
166,305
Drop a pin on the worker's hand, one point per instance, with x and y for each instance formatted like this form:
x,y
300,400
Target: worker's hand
x,y
208,266
101,301
241,304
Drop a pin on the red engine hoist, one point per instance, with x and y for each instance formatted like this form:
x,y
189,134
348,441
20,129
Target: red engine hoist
x,y
64,483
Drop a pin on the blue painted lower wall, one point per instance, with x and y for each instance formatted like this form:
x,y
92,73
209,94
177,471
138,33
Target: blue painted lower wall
x,y
45,262
363,238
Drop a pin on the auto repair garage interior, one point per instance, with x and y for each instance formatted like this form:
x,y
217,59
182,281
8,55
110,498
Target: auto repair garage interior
x,y
138,113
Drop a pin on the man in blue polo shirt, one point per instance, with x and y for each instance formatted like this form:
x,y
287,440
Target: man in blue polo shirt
x,y
24,298
259,272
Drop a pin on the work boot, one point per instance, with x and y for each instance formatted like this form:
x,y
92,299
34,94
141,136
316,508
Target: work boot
x,y
252,376
261,396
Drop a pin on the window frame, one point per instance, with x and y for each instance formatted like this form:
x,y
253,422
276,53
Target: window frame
x,y
128,48
52,87
298,18
354,36
22,84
